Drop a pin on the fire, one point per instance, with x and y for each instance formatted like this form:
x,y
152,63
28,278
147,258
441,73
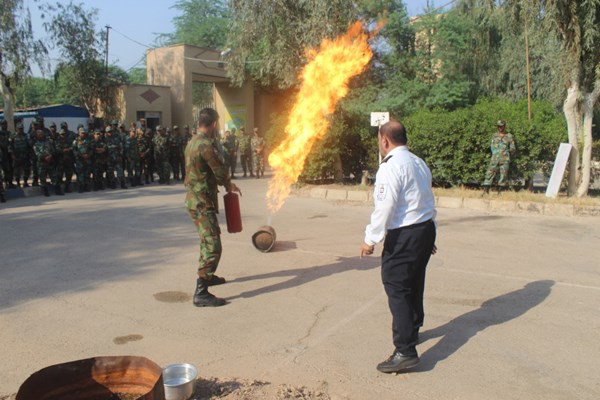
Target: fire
x,y
324,82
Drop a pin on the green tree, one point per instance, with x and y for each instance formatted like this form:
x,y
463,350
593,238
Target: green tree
x,y
35,91
86,80
137,76
18,50
203,23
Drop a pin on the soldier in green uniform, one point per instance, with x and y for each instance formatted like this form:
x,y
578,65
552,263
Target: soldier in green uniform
x,y
162,147
6,165
145,148
82,150
230,145
185,138
205,170
44,154
258,147
245,148
20,150
134,164
115,158
503,148
175,153
99,160
65,159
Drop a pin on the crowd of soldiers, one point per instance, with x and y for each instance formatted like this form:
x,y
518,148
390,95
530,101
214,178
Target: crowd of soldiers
x,y
99,158
110,157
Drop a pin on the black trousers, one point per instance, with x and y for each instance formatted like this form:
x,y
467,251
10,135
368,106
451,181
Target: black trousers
x,y
406,252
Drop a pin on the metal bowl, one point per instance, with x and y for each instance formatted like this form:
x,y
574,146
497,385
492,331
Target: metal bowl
x,y
179,381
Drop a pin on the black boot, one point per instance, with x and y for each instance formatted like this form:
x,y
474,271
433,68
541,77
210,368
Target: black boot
x,y
81,188
46,192
123,186
148,180
58,191
2,199
86,187
216,280
140,181
68,187
202,298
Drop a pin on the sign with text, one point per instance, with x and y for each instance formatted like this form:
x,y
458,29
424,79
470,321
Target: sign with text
x,y
558,171
379,118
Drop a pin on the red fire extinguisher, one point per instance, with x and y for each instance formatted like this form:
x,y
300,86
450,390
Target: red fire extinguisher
x,y
232,212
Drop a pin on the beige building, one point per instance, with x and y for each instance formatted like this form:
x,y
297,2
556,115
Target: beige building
x,y
145,101
180,66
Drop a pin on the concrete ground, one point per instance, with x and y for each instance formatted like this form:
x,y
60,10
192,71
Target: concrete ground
x,y
511,299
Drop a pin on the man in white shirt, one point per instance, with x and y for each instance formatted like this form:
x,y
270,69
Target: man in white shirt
x,y
404,216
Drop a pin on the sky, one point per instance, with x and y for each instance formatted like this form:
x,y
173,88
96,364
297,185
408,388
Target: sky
x,y
141,21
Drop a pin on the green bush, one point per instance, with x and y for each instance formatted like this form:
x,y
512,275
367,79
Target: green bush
x,y
456,144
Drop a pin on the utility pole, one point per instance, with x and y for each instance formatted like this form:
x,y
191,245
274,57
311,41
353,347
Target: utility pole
x,y
528,69
106,76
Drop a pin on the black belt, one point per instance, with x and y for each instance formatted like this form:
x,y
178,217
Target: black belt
x,y
411,226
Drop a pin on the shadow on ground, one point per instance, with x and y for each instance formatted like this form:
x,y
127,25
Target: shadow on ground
x,y
495,311
300,276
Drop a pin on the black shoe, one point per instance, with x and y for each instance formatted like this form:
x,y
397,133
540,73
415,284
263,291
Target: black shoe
x,y
216,280
81,189
46,192
202,298
2,199
68,188
398,362
123,186
58,191
26,185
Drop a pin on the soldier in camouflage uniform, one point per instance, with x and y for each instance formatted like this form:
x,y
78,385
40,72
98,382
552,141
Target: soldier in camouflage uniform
x,y
6,165
2,199
124,135
503,148
205,170
44,154
115,157
65,161
175,152
245,148
134,163
82,150
99,160
145,148
20,150
162,147
258,147
185,138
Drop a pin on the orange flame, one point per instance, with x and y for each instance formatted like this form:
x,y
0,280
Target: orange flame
x,y
324,82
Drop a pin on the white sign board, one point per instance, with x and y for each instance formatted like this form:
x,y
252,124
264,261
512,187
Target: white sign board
x,y
558,171
379,118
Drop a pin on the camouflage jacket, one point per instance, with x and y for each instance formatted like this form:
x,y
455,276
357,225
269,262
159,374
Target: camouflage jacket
x,y
115,146
42,149
99,154
162,145
144,145
131,148
4,141
19,146
502,147
205,169
81,148
245,144
258,145
64,148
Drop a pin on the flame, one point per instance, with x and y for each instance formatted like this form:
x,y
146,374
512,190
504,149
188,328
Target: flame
x,y
324,82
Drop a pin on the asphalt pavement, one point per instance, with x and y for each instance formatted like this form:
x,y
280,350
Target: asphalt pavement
x,y
511,299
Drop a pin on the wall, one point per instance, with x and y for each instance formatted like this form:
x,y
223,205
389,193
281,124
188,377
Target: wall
x,y
149,98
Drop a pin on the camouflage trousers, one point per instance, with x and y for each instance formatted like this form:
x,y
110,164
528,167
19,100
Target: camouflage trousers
x,y
21,168
83,171
246,160
497,167
175,161
64,168
99,169
46,171
259,164
163,169
209,231
233,163
134,168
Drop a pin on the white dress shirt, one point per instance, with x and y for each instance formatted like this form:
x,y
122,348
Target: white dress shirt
x,y
402,194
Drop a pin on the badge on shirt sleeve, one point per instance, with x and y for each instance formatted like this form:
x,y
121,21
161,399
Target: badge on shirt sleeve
x,y
381,192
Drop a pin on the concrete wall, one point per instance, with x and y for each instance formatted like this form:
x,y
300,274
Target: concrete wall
x,y
235,106
147,98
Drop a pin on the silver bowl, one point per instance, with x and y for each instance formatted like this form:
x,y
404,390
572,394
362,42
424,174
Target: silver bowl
x,y
179,381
